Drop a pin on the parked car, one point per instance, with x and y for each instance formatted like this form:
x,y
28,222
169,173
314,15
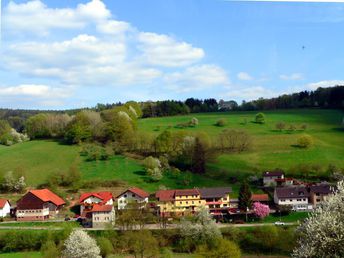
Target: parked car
x,y
279,223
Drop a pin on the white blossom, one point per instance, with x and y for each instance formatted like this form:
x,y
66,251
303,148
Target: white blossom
x,y
203,229
80,245
322,233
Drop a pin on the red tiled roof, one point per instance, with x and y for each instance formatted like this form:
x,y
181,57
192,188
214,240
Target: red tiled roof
x,y
165,195
260,197
187,192
104,196
97,207
139,192
3,202
48,196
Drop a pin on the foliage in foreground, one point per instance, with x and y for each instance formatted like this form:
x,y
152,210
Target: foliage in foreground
x,y
80,245
322,234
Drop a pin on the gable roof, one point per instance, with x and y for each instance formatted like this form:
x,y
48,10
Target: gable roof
x,y
182,192
165,195
105,208
273,173
104,196
322,189
48,196
139,192
292,192
3,203
260,197
214,192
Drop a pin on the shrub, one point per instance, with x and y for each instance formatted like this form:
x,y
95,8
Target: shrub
x,y
80,244
194,121
280,126
305,141
220,122
260,118
106,247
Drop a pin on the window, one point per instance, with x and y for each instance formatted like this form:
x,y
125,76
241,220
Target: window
x,y
125,196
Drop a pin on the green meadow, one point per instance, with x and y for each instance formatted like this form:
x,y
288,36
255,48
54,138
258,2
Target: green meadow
x,y
38,159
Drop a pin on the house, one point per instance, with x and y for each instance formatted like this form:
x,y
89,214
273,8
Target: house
x,y
319,193
87,200
39,204
217,199
269,178
262,198
5,208
294,196
179,202
132,196
286,181
98,216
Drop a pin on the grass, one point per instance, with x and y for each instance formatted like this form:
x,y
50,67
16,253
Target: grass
x,y
291,217
21,255
37,160
271,148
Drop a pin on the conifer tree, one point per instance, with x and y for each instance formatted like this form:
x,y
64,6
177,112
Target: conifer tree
x,y
198,158
245,195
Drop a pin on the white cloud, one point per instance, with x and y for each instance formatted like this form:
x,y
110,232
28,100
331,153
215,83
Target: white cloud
x,y
36,17
86,46
244,76
292,77
162,50
35,90
324,84
252,93
197,78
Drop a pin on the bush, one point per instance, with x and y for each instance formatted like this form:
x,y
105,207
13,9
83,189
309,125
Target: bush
x,y
260,118
220,123
305,141
105,246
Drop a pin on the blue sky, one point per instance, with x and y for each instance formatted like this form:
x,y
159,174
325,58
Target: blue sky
x,y
67,53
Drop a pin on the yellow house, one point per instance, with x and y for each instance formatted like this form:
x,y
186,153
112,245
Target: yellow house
x,y
188,201
217,199
179,202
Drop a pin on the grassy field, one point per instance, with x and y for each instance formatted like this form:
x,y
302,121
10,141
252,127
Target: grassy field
x,y
291,217
271,148
37,160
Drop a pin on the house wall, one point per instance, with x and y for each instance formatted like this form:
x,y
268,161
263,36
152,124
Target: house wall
x,y
33,214
316,199
270,180
101,218
29,202
129,197
5,211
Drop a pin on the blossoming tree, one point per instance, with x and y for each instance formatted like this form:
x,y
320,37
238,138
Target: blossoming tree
x,y
322,233
261,210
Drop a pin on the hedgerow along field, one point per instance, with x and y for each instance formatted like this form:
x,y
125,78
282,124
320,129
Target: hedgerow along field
x,y
271,149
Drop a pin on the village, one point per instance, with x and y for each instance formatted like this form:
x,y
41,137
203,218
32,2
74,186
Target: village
x,y
99,209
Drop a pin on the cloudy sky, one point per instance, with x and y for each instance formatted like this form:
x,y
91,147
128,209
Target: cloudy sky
x,y
68,53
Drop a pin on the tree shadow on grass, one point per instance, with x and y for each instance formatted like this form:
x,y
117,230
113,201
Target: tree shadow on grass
x,y
338,129
140,173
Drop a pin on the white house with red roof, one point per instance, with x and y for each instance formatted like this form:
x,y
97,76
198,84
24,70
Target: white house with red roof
x,y
38,204
96,209
5,208
133,195
87,200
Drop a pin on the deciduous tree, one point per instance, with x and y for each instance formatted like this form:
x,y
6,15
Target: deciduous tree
x,y
322,233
